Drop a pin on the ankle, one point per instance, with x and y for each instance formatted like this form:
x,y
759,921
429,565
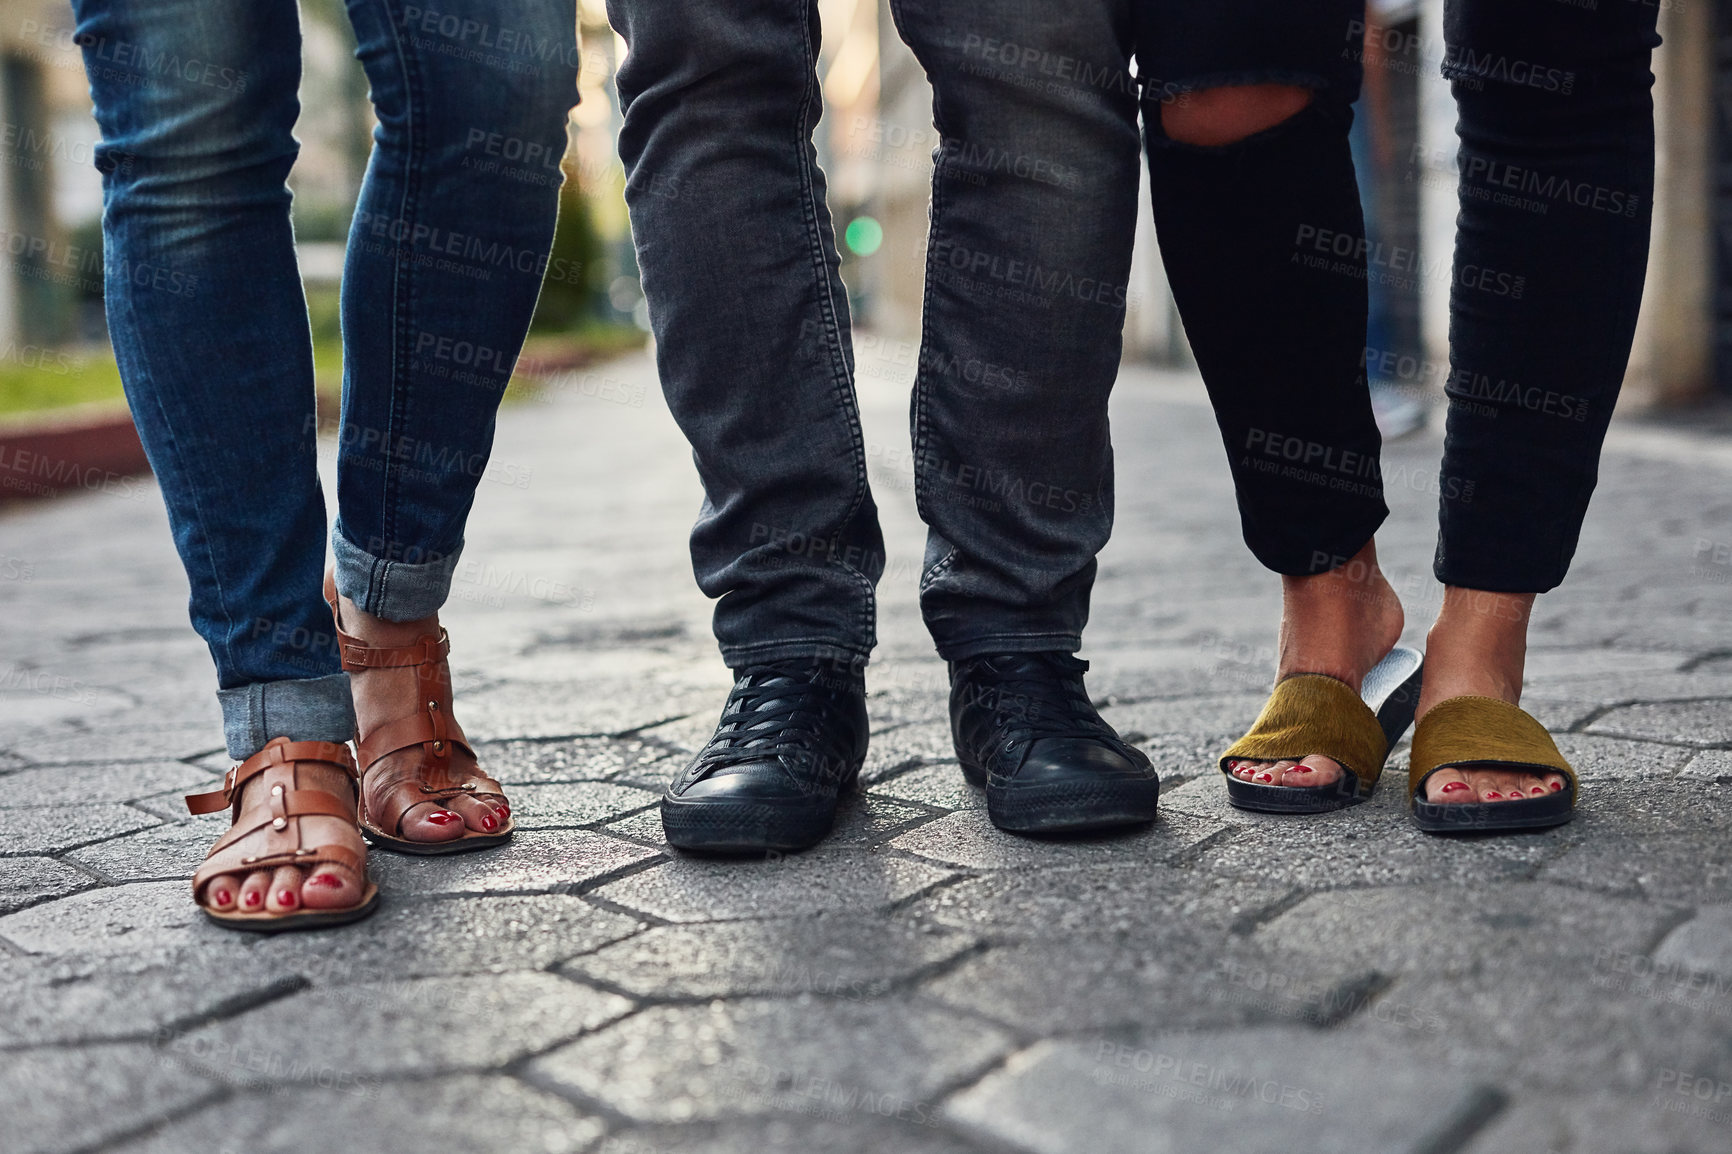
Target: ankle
x,y
379,631
1341,622
1477,646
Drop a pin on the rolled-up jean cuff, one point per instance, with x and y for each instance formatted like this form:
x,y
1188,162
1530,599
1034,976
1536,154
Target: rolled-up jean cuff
x,y
968,648
394,590
764,652
307,709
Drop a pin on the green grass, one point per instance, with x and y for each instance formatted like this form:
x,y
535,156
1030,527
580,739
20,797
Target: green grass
x,y
49,379
42,380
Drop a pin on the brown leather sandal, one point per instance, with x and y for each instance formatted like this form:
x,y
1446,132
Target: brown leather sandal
x,y
267,832
388,791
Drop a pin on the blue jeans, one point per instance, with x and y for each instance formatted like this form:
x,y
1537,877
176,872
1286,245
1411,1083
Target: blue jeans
x,y
196,100
1034,203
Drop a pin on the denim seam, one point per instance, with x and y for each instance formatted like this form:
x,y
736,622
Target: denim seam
x,y
215,570
779,642
402,305
841,379
1069,640
922,377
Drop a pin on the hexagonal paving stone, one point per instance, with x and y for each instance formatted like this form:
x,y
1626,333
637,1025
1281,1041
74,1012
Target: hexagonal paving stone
x,y
86,997
1251,1091
420,1026
969,839
532,862
691,889
841,955
567,804
62,1100
588,708
577,759
165,851
942,786
1448,929
25,881
1690,722
1702,945
675,1063
461,1112
833,1132
1603,1028
101,783
1186,978
53,828
114,919
450,936
1126,901
1669,1119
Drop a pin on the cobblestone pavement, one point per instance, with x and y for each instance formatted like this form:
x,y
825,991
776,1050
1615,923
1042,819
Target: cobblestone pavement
x,y
922,983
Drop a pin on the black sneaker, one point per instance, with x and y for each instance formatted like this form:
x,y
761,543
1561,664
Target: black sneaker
x,y
1026,730
791,740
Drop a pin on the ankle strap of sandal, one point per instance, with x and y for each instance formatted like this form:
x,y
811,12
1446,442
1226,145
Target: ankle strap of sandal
x,y
277,753
358,655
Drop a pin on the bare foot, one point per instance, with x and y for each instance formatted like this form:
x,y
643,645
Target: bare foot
x,y
1340,623
384,695
1478,647
284,889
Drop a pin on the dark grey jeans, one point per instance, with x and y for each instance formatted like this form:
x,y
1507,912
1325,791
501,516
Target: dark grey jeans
x,y
1034,206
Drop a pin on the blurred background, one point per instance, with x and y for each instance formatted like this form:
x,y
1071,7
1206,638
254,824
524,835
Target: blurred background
x,y
875,142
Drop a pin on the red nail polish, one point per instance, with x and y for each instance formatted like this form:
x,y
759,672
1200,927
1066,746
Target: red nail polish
x,y
443,817
1492,793
504,810
328,881
1265,777
251,900
221,897
1537,789
488,823
287,898
1557,785
1455,787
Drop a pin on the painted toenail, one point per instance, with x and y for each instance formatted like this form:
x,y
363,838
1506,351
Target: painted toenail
x,y
442,818
1537,789
329,881
1557,785
488,823
221,897
287,898
1265,777
1455,787
251,900
1492,793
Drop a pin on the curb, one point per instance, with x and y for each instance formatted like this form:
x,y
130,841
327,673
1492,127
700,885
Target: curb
x,y
91,450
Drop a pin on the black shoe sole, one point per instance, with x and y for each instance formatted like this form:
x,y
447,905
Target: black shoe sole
x,y
1391,689
1087,805
1494,817
743,827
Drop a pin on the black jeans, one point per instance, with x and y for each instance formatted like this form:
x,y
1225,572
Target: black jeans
x,y
1556,190
1033,213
